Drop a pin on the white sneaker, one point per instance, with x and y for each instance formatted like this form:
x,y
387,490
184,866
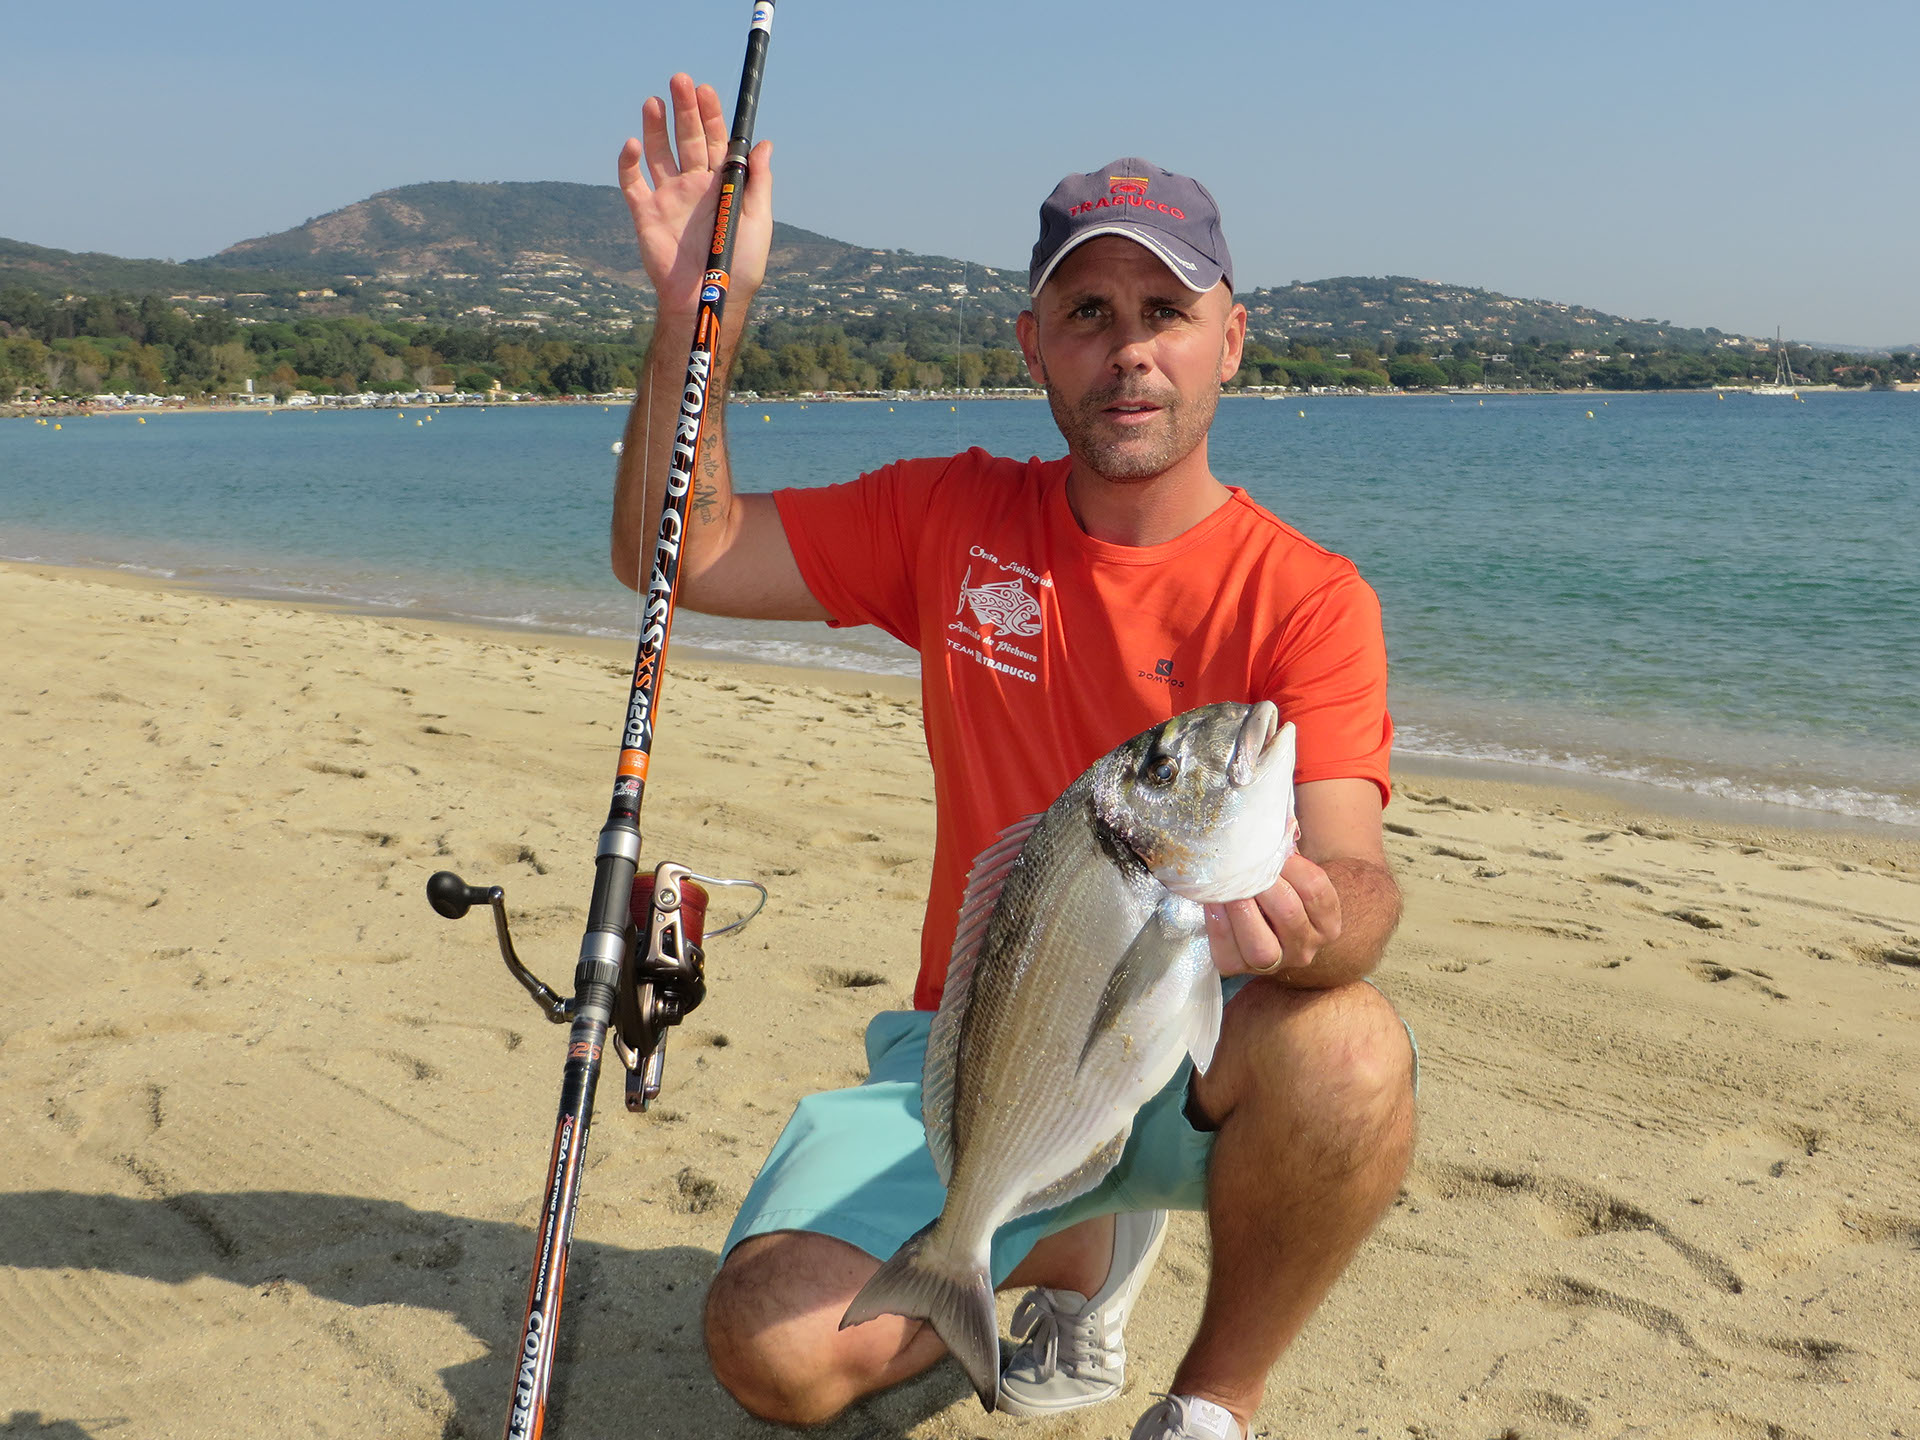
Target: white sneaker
x,y
1188,1417
1075,1351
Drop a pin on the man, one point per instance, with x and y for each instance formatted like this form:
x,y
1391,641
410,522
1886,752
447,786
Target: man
x,y
1060,608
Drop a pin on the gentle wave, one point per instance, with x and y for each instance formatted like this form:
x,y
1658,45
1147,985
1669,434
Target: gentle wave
x,y
1846,801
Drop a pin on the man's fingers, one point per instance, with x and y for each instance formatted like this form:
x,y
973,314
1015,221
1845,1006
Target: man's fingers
x,y
715,123
1285,925
758,200
689,132
1260,947
653,130
628,167
1281,906
1318,898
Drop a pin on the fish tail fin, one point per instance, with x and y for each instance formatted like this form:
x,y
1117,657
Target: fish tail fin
x,y
952,1293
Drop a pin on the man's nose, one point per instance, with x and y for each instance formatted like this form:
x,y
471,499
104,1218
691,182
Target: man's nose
x,y
1132,348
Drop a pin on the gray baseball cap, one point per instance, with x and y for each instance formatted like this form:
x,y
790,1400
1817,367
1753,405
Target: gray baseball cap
x,y
1172,215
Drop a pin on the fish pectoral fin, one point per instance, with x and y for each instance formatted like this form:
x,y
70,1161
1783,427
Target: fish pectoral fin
x,y
1133,977
1206,1006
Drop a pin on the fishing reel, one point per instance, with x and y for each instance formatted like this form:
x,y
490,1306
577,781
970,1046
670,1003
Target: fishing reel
x,y
661,982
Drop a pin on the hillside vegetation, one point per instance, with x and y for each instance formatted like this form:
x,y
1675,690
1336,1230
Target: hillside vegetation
x,y
536,286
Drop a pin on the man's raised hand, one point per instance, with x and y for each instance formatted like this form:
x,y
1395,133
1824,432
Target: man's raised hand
x,y
672,188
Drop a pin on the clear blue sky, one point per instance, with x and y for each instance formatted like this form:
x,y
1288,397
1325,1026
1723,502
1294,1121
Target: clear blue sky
x,y
1744,165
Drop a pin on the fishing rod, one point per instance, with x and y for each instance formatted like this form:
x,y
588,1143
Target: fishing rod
x,y
636,978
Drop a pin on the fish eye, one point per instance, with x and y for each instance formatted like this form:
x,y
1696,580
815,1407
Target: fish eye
x,y
1163,770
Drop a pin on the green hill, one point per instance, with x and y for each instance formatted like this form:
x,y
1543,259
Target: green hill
x,y
59,272
551,252
551,256
456,225
1438,316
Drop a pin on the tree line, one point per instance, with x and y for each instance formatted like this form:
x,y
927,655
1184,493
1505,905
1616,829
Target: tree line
x,y
1536,364
85,345
80,346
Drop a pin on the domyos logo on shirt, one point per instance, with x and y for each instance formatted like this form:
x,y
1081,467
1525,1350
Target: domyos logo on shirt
x,y
1162,675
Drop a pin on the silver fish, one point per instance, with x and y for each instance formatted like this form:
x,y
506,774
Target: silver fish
x,y
1080,980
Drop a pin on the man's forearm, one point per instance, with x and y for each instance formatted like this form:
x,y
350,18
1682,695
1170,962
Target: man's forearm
x,y
659,439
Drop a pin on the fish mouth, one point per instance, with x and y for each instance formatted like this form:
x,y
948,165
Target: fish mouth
x,y
1254,748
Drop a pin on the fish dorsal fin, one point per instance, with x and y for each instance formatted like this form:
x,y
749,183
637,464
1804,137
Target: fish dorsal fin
x,y
984,883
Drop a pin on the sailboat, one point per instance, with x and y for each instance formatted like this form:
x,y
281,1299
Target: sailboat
x,y
1782,373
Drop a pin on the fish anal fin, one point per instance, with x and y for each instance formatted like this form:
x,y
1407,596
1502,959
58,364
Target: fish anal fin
x,y
1080,1180
939,1074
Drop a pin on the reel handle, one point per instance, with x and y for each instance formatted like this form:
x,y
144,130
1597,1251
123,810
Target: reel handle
x,y
453,897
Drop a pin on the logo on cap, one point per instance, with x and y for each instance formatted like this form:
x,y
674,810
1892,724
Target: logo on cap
x,y
1126,190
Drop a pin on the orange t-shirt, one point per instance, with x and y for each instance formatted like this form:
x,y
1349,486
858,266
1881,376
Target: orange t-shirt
x,y
1041,648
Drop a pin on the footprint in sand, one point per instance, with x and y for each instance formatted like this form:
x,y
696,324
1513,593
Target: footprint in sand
x,y
1717,974
1570,1210
1755,1151
1699,919
827,839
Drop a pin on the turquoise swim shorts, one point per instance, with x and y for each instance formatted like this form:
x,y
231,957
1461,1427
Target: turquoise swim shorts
x,y
854,1163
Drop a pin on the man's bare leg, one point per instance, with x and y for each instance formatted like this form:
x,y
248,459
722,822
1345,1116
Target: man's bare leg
x,y
1312,1098
774,1337
773,1319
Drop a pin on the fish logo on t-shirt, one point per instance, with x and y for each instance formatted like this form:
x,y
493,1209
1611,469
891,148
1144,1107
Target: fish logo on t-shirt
x,y
1004,604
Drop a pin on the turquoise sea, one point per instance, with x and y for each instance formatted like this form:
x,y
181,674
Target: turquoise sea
x,y
1717,596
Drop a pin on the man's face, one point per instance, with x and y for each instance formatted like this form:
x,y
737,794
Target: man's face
x,y
1132,359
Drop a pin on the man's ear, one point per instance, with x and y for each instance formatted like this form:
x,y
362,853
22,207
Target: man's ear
x,y
1027,330
1235,344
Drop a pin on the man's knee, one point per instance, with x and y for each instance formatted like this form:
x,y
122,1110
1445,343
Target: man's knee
x,y
1342,1051
773,1329
764,1335
1368,1048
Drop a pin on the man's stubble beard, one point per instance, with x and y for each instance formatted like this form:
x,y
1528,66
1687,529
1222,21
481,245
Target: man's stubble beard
x,y
1181,429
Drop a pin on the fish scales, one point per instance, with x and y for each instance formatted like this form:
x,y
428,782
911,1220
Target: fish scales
x,y
1029,1017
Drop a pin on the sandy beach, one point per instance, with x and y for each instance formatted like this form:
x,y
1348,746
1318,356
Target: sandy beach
x,y
276,1133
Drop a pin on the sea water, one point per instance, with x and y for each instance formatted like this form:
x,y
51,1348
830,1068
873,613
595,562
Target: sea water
x,y
1720,596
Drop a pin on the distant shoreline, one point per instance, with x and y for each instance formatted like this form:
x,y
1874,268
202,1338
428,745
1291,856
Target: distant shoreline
x,y
67,410
1599,797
